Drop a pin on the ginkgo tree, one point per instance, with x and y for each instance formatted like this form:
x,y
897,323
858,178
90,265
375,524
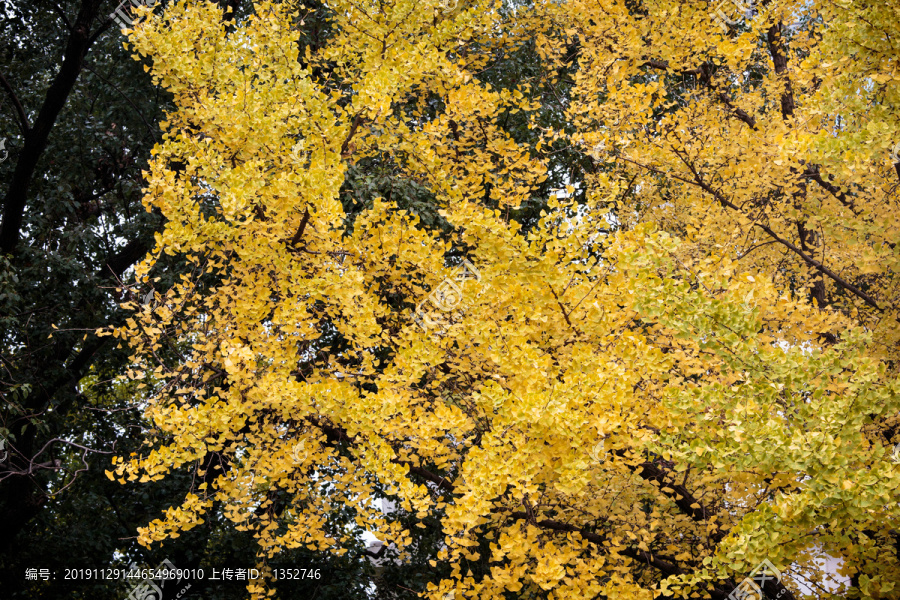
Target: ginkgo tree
x,y
686,367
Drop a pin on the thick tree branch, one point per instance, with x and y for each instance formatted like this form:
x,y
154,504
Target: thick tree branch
x,y
357,121
683,498
590,536
376,555
62,15
664,66
119,262
441,482
775,41
738,112
813,174
113,269
116,264
775,589
74,371
299,235
665,565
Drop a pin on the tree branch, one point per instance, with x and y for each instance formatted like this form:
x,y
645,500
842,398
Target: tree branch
x,y
561,307
775,41
665,566
806,258
113,269
299,235
62,15
703,73
683,498
119,262
20,112
375,555
812,172
738,112
357,121
664,66
127,99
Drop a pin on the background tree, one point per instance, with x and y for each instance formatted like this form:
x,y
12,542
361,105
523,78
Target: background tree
x,y
79,130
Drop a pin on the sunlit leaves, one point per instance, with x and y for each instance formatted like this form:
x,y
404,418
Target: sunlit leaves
x,y
730,431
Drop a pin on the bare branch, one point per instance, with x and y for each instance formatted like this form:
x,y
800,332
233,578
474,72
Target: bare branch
x,y
20,112
127,99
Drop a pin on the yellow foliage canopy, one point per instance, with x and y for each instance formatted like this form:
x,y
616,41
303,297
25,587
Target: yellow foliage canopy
x,y
652,410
